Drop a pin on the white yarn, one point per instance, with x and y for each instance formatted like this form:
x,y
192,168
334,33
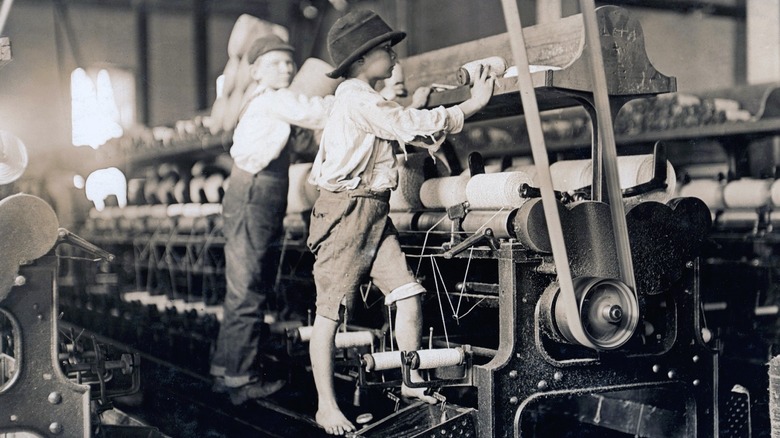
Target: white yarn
x,y
496,190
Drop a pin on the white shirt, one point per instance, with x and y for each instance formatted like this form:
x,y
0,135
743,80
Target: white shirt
x,y
356,146
264,129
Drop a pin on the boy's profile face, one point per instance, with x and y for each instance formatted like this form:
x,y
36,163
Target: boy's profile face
x,y
378,63
274,69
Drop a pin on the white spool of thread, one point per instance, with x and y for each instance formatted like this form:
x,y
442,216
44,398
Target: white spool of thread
x,y
633,170
301,194
437,358
410,179
386,360
496,66
444,192
499,222
354,339
708,190
496,190
434,221
343,339
403,220
775,193
747,193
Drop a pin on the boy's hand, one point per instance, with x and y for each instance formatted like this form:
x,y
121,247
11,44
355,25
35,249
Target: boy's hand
x,y
482,89
420,97
481,92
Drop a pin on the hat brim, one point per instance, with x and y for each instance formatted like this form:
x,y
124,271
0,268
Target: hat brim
x,y
394,37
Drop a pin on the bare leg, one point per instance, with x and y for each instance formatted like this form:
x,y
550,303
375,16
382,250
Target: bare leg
x,y
321,351
408,329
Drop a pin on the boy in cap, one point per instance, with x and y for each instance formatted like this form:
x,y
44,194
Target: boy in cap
x,y
254,207
355,170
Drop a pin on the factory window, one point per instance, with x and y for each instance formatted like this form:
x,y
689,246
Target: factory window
x,y
102,105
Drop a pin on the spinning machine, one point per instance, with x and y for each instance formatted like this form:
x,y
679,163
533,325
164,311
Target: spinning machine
x,y
563,299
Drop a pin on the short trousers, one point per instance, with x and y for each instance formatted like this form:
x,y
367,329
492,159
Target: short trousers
x,y
354,240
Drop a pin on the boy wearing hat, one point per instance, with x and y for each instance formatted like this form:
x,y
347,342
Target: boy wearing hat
x,y
253,208
355,170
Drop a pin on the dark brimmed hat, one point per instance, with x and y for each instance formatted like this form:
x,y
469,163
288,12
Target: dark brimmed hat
x,y
266,44
354,35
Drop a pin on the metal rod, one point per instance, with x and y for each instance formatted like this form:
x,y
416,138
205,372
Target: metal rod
x,y
539,151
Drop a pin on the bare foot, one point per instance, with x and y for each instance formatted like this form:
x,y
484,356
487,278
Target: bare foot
x,y
418,393
333,421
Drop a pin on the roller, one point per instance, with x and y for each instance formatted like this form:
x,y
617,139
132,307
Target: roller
x,y
708,190
491,191
301,194
444,192
343,339
435,358
747,193
502,223
385,360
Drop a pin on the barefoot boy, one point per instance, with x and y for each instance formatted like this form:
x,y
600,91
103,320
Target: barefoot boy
x,y
355,169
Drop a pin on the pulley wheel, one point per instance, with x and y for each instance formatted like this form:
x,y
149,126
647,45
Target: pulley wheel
x,y
608,311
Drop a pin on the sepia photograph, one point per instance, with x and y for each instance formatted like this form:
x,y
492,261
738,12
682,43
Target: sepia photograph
x,y
389,218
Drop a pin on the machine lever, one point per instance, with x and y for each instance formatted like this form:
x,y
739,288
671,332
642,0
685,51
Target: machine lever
x,y
485,235
65,236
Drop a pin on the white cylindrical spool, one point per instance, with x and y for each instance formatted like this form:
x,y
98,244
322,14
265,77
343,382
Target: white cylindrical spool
x,y
301,194
386,360
497,67
403,220
633,170
305,333
775,193
708,190
434,222
499,222
343,339
354,339
438,358
737,218
570,175
410,179
444,192
747,193
496,190
639,169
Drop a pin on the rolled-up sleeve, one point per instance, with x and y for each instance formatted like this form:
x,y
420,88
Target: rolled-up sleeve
x,y
309,112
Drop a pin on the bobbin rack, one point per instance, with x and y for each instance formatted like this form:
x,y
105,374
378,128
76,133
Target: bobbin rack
x,y
502,359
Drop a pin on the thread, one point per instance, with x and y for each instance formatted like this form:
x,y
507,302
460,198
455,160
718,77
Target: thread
x,y
301,194
410,179
737,219
709,191
385,360
747,193
444,192
502,223
437,358
496,190
467,72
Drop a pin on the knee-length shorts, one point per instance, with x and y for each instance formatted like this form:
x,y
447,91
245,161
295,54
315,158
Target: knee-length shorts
x,y
354,240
